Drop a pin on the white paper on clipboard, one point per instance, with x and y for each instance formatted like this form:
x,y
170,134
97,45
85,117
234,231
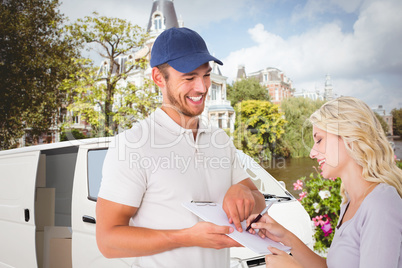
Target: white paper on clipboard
x,y
214,213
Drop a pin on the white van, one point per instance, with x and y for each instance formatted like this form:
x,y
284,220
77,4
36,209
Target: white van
x,y
48,196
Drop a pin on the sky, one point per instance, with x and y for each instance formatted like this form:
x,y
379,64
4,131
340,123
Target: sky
x,y
357,42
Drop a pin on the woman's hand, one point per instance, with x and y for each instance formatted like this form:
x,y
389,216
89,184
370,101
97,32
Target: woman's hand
x,y
303,256
280,259
268,227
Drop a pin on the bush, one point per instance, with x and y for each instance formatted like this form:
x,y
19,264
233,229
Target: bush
x,y
73,134
399,164
321,198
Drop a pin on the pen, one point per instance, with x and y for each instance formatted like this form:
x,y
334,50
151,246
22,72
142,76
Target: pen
x,y
260,215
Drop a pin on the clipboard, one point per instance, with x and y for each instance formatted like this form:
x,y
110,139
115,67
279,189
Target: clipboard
x,y
213,212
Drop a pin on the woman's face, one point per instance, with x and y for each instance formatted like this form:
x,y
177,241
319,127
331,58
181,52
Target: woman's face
x,y
330,152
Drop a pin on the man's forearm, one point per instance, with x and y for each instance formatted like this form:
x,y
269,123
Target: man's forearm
x,y
129,241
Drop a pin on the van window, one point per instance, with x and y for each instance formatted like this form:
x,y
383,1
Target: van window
x,y
95,164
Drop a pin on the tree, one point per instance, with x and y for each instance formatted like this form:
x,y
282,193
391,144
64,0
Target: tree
x,y
259,125
384,124
397,121
247,89
35,56
103,97
297,141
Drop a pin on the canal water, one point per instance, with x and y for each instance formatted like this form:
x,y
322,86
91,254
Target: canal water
x,y
292,169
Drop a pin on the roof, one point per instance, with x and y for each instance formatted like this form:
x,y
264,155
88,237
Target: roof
x,y
220,107
57,145
166,7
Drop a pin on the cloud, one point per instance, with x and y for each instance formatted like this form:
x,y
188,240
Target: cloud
x,y
315,8
371,50
203,13
135,11
299,56
199,13
378,33
365,55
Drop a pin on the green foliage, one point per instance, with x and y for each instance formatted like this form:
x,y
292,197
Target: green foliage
x,y
397,121
135,104
259,125
103,96
321,198
399,164
73,134
247,89
297,140
384,124
35,56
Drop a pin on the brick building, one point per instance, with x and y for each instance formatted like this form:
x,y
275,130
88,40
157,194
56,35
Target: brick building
x,y
276,82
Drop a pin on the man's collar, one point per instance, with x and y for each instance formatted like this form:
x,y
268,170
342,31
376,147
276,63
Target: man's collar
x,y
163,119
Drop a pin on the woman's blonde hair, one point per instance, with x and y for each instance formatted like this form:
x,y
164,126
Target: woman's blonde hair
x,y
353,121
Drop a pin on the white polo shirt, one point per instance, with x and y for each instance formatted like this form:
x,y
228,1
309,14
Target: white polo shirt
x,y
156,166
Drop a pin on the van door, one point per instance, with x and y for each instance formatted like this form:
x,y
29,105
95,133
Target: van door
x,y
87,178
17,202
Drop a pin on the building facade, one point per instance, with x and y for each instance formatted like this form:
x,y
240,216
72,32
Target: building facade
x,y
217,108
387,118
313,95
328,89
326,94
278,85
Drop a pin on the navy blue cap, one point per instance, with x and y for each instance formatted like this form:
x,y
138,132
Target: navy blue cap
x,y
181,48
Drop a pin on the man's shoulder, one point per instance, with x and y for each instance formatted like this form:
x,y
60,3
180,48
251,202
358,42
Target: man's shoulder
x,y
139,132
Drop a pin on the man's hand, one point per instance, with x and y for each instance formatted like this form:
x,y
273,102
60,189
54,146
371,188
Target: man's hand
x,y
209,235
116,238
240,201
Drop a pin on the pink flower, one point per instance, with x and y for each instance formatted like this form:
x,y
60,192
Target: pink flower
x,y
332,179
318,220
298,185
326,228
302,195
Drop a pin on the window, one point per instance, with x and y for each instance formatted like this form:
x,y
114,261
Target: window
x,y
95,164
215,91
276,94
104,69
75,118
123,65
158,22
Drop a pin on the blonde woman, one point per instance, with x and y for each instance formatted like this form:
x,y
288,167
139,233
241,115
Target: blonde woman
x,y
349,143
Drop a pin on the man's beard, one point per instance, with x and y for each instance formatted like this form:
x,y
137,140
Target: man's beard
x,y
181,108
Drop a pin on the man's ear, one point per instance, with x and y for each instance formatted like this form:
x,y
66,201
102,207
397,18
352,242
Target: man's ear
x,y
158,77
